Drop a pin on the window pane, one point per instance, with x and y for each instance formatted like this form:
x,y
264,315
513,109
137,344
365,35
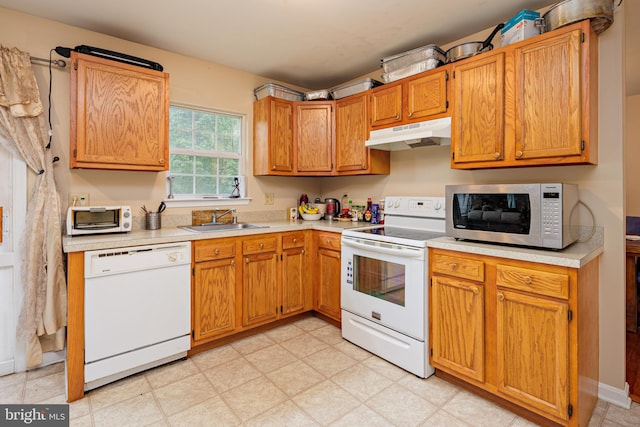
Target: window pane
x,y
206,185
229,167
181,163
179,118
204,141
180,138
204,121
229,134
206,165
182,184
226,186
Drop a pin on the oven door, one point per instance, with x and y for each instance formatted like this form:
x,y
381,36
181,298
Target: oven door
x,y
385,283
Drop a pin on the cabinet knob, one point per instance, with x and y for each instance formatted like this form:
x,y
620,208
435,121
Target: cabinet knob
x,y
500,296
397,116
161,161
246,260
497,155
233,263
527,280
261,245
454,266
295,240
519,154
217,252
273,167
303,251
475,290
410,114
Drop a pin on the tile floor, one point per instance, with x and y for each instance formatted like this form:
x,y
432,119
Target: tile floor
x,y
301,374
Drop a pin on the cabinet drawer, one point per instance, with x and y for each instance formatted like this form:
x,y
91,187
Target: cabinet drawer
x,y
209,251
329,241
459,267
293,240
539,282
255,246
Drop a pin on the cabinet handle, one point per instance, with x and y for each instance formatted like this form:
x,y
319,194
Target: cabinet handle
x,y
497,155
246,260
519,154
500,296
410,114
475,290
295,240
454,266
273,167
303,251
161,161
261,245
233,263
527,280
217,252
397,116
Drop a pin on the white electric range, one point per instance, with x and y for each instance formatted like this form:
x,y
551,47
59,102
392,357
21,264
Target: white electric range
x,y
384,279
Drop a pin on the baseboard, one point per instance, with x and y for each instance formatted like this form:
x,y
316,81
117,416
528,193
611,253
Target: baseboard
x,y
615,395
6,368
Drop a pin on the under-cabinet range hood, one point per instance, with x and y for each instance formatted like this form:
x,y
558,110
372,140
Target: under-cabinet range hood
x,y
414,135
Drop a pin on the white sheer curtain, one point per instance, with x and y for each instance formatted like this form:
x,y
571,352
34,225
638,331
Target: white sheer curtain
x,y
43,315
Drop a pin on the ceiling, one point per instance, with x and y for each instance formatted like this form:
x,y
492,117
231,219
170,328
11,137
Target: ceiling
x,y
315,44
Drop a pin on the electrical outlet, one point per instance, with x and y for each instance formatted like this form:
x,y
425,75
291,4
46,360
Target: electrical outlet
x,y
78,199
268,198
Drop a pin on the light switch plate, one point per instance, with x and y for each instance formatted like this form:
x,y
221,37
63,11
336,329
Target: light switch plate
x,y
78,199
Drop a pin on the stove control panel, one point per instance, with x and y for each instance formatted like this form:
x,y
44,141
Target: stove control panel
x,y
428,207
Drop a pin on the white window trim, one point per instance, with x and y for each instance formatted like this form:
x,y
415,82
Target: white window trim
x,y
185,201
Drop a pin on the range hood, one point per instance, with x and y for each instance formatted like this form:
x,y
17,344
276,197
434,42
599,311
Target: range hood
x,y
414,135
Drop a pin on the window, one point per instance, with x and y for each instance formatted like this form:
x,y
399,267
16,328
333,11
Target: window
x,y
205,152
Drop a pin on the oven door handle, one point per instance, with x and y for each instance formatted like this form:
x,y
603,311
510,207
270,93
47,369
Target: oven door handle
x,y
401,252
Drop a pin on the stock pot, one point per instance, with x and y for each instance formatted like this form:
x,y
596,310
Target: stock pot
x,y
468,49
600,12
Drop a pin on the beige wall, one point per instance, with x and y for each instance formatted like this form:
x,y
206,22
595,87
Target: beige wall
x,y
422,171
632,156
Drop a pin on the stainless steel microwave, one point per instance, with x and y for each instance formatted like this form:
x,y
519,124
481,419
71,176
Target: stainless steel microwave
x,y
82,220
536,215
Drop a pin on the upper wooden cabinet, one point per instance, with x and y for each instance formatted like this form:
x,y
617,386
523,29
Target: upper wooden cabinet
x,y
533,103
352,130
272,137
119,115
411,99
314,136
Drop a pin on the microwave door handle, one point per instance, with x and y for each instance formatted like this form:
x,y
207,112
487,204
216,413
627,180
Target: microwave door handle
x,y
401,252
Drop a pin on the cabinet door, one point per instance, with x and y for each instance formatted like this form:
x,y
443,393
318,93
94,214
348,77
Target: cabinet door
x,y
477,132
281,136
352,130
386,105
314,136
328,290
119,115
214,299
259,288
548,82
294,280
533,351
457,326
427,95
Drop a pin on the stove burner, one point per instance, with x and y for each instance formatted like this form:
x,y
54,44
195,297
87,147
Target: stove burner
x,y
402,233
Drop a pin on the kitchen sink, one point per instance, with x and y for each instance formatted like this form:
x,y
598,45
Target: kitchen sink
x,y
222,226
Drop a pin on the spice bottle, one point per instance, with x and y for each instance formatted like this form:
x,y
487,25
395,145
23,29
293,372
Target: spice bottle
x,y
374,213
367,212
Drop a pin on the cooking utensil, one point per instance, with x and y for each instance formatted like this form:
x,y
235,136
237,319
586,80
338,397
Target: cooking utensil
x,y
332,208
162,207
465,50
144,209
600,12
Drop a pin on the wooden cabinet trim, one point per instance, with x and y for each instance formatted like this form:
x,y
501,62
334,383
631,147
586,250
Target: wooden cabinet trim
x,y
533,280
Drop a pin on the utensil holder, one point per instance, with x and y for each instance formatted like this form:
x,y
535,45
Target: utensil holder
x,y
153,221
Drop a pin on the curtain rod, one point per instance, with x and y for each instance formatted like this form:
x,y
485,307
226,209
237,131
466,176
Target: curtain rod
x,y
58,62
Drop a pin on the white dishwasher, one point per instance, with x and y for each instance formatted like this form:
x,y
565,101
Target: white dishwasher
x,y
136,309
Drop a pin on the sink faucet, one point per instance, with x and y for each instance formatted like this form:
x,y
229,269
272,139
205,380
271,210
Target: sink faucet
x,y
215,218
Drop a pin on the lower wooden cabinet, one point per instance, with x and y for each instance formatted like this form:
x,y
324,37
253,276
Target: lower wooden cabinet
x,y
327,297
296,277
215,291
259,280
514,328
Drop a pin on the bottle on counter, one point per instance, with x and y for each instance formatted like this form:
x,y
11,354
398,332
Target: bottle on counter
x,y
367,211
381,212
374,213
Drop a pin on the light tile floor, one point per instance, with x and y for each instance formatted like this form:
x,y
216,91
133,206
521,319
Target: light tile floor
x,y
301,374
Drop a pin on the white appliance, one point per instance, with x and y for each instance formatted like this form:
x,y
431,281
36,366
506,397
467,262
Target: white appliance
x,y
83,220
384,281
136,309
412,135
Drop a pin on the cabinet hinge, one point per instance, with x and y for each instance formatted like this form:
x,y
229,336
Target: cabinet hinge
x,y
193,334
75,153
582,145
454,74
193,271
431,352
446,104
570,315
570,410
453,156
281,257
281,310
430,281
75,65
446,76
582,37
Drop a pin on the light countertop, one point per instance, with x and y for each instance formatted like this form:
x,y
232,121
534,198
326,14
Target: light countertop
x,y
575,256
